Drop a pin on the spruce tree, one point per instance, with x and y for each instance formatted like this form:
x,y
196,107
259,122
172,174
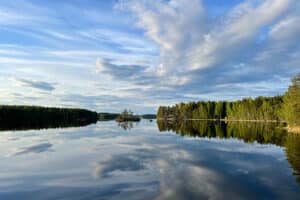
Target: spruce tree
x,y
292,103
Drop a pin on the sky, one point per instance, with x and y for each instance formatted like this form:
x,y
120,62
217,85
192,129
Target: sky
x,y
115,54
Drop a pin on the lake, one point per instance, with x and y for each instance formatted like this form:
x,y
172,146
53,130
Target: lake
x,y
149,160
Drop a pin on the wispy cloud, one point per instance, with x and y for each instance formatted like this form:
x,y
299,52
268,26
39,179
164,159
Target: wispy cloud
x,y
190,41
146,53
119,71
196,50
40,85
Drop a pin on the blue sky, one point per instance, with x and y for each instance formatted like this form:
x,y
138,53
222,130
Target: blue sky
x,y
111,55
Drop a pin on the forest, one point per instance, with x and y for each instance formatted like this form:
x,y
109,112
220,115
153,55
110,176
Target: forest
x,y
29,117
260,108
148,116
13,117
104,116
279,108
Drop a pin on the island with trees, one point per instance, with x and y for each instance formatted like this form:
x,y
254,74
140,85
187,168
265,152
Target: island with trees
x,y
285,108
127,116
105,116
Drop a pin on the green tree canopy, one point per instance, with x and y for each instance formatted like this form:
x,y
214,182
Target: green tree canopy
x,y
292,103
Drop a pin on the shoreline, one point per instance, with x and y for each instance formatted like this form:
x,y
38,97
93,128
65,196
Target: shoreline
x,y
228,120
237,120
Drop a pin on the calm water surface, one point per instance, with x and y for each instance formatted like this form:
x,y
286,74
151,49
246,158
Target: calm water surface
x,y
196,160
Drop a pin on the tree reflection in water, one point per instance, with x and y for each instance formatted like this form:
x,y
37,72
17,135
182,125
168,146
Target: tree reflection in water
x,y
249,132
127,125
292,150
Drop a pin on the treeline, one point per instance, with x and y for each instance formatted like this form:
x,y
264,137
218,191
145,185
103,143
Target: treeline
x,y
108,116
291,107
284,108
113,116
148,116
32,117
260,108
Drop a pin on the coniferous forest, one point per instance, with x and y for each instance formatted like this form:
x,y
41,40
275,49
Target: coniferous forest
x,y
28,117
260,108
291,106
279,108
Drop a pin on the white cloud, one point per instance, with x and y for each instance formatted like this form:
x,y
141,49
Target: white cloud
x,y
197,49
189,40
175,26
286,29
158,52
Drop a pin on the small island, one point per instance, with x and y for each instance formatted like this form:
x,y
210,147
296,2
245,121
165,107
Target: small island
x,y
128,116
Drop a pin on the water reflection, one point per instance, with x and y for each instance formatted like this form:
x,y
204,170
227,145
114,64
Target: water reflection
x,y
263,133
292,149
104,161
42,124
127,125
118,163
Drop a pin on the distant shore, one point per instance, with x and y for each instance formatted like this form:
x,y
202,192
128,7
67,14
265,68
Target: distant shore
x,y
241,120
17,117
228,120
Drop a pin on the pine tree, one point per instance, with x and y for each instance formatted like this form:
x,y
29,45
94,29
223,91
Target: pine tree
x,y
292,103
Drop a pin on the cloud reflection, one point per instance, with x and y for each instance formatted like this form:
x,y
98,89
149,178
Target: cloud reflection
x,y
182,172
122,163
38,148
106,163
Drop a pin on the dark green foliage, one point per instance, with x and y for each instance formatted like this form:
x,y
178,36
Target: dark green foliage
x,y
126,125
278,108
261,108
171,112
29,117
292,150
114,116
263,133
108,116
149,116
291,109
127,115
